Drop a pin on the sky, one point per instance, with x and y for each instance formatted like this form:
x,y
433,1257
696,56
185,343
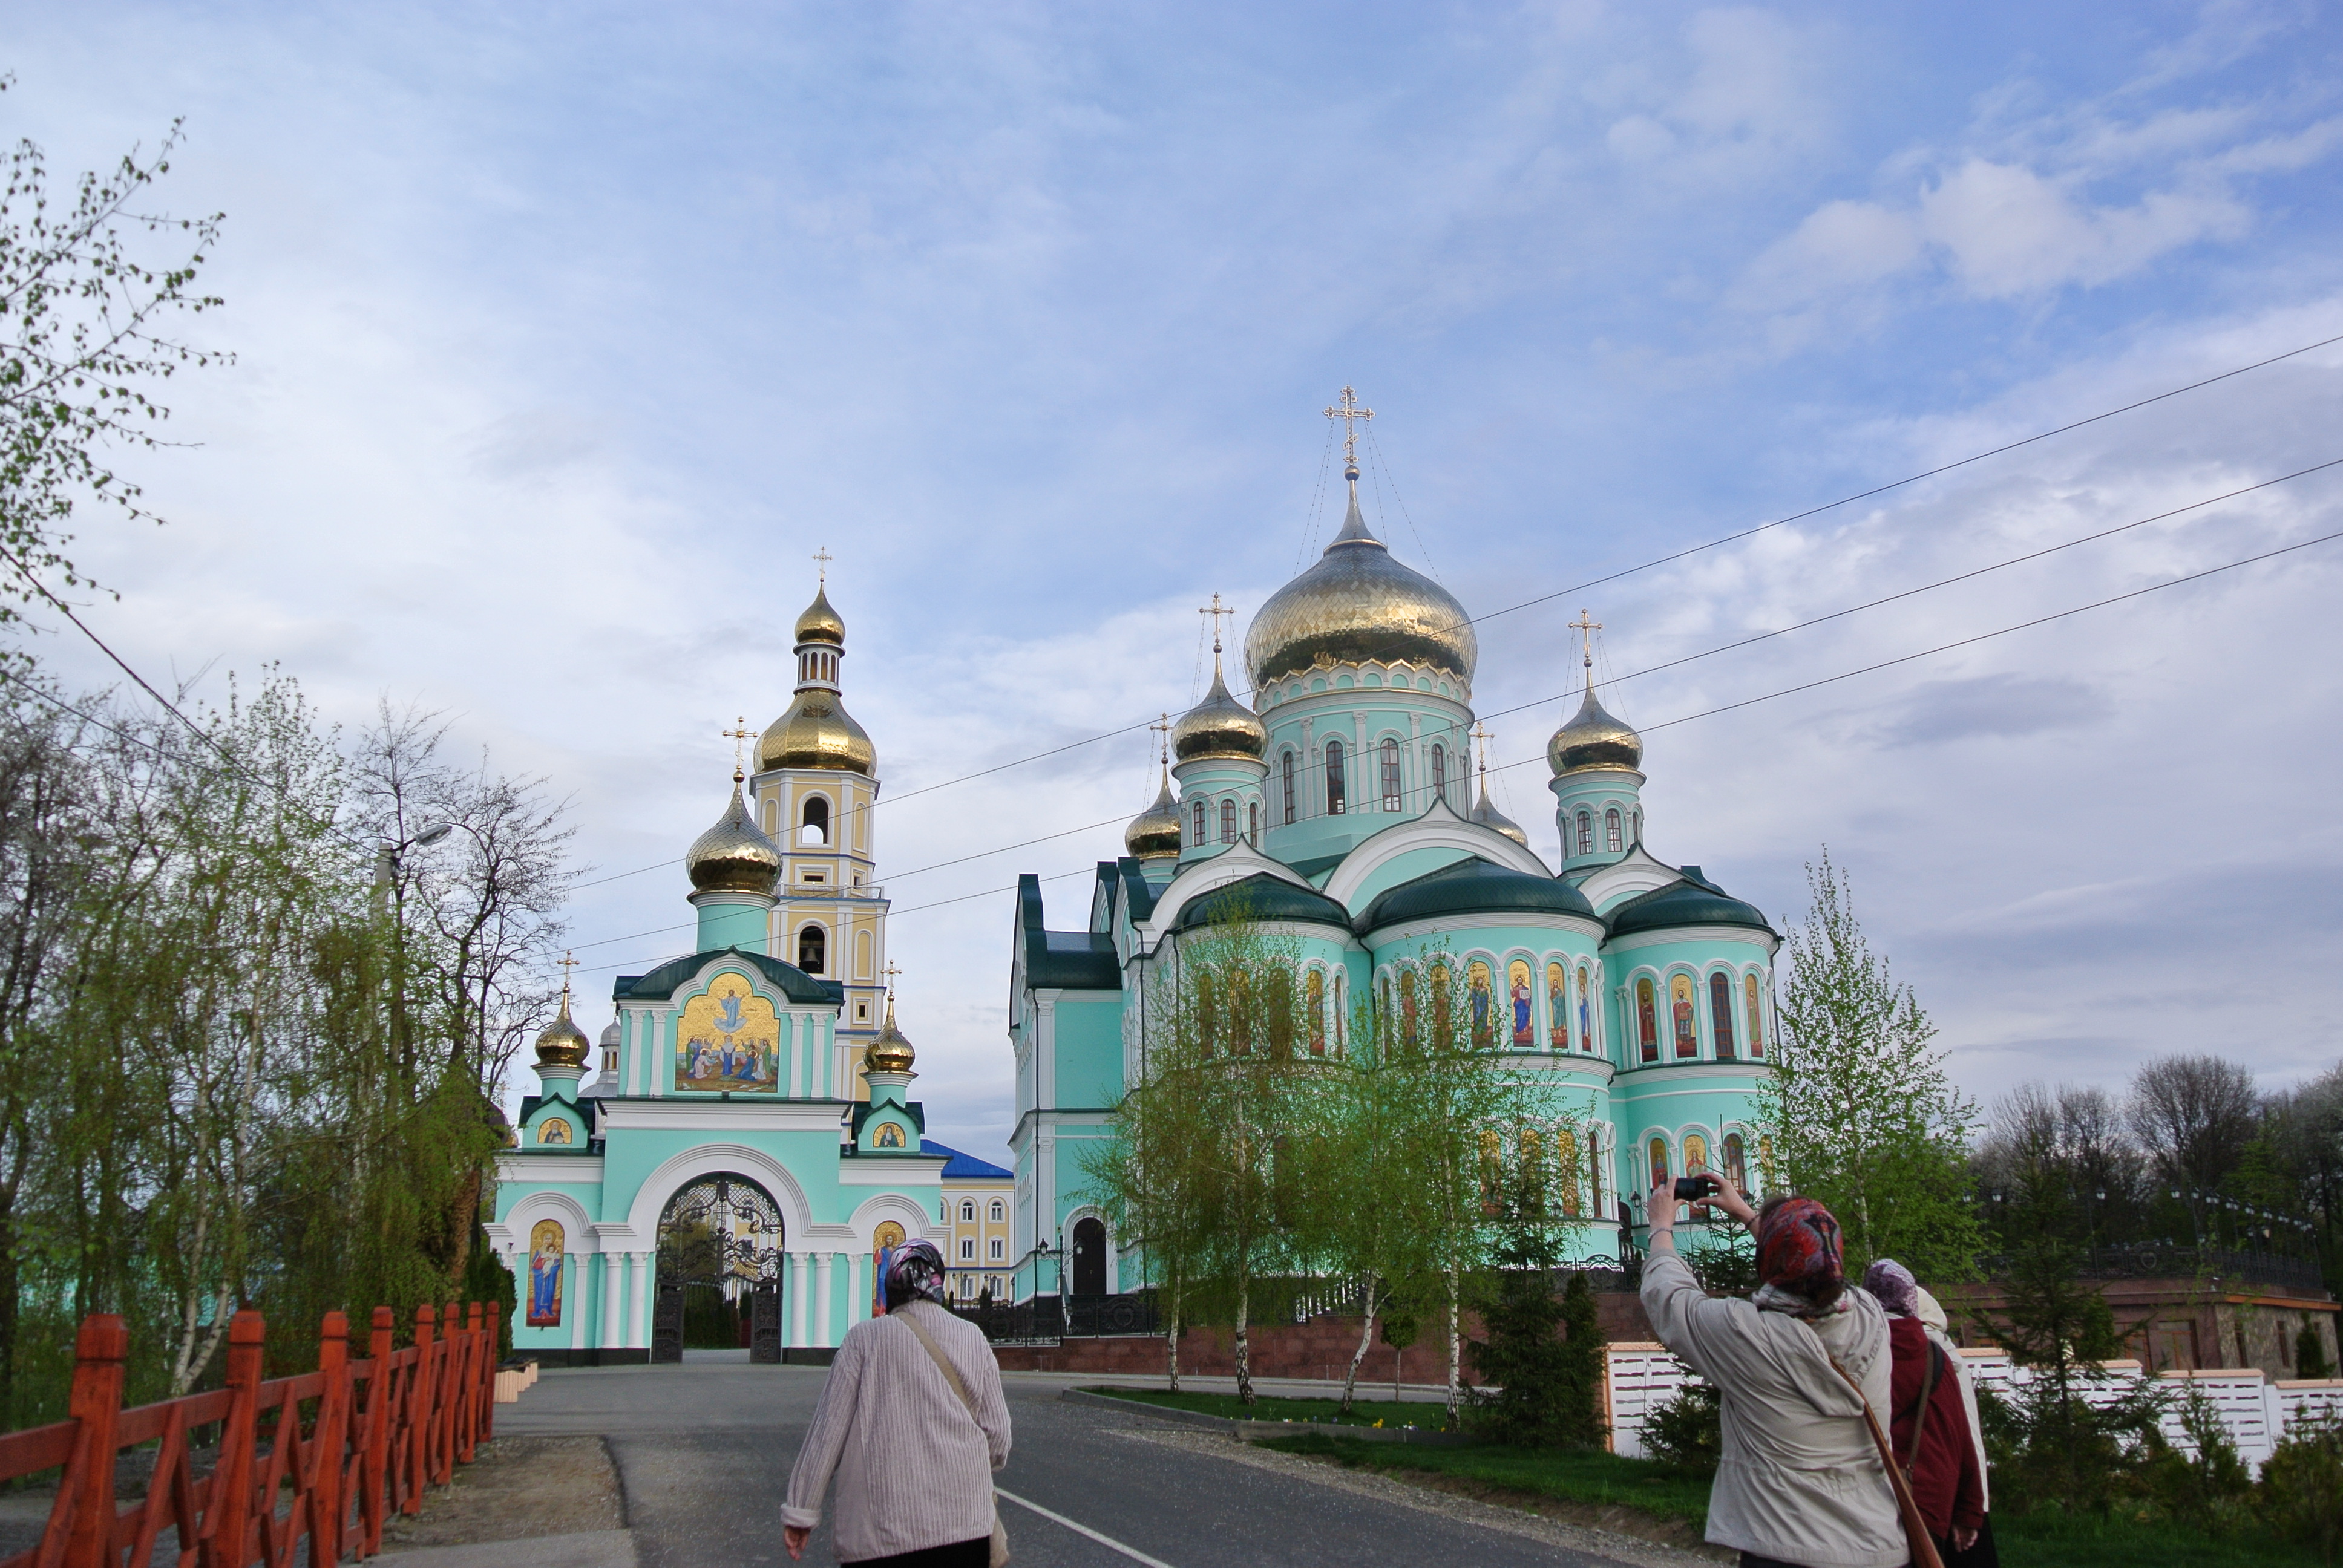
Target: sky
x,y
564,336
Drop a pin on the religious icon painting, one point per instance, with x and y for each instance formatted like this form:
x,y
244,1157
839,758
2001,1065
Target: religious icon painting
x,y
1585,1010
1557,1006
545,1251
1477,980
1314,995
1647,1023
1565,1165
1695,1154
884,1241
554,1130
890,1136
1680,1009
727,1040
1517,981
1757,1018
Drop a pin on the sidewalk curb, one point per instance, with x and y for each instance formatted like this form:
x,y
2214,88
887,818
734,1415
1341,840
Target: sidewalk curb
x,y
1257,1430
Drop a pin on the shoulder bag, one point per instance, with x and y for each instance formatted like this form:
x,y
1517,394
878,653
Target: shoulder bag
x,y
1915,1528
952,1376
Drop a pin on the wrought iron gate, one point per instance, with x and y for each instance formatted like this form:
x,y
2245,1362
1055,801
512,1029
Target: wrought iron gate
x,y
719,1263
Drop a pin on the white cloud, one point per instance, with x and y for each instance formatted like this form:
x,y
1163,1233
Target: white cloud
x,y
2008,231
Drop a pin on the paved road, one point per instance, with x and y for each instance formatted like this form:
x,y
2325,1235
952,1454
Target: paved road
x,y
704,1450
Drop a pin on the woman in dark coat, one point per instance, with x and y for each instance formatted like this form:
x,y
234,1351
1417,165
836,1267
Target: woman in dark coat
x,y
1930,1430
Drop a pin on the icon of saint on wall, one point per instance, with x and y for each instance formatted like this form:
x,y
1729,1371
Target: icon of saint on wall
x,y
545,1251
1517,981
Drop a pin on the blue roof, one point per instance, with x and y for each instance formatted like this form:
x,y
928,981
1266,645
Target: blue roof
x,y
962,1165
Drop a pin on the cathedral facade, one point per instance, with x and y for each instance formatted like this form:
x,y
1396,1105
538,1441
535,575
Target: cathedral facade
x,y
748,1152
1333,808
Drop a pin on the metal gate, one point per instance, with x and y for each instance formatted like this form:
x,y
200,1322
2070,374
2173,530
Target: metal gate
x,y
719,1256
765,1323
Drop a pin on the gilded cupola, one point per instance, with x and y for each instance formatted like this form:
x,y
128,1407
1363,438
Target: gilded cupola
x,y
816,731
891,1052
1593,737
1485,810
734,856
1220,726
820,623
1154,833
1357,605
563,1044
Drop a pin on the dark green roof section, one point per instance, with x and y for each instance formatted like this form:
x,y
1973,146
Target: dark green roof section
x,y
1262,897
1315,867
787,978
917,1110
1063,961
1474,886
1693,902
1140,891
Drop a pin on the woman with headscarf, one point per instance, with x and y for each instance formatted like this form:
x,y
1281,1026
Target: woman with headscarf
x,y
1800,1483
1930,1431
913,1420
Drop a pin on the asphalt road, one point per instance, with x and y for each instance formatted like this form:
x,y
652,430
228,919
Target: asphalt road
x,y
704,1452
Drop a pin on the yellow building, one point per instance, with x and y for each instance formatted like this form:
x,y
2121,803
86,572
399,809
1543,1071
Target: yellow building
x,y
980,1208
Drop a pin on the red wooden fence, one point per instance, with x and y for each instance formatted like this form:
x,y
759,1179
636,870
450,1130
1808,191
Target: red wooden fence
x,y
377,1431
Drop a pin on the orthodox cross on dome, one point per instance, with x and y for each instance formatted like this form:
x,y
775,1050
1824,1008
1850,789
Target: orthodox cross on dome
x,y
738,735
821,560
1588,624
891,971
1481,749
1348,411
1215,610
568,962
1162,726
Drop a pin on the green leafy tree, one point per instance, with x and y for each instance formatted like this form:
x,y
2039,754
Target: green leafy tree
x,y
2300,1494
1859,1112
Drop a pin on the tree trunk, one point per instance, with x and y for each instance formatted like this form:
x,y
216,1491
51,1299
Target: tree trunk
x,y
1245,1344
1366,1338
1172,1343
1456,1337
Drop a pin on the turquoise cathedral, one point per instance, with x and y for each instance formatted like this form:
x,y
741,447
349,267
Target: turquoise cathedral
x,y
1335,808
747,1151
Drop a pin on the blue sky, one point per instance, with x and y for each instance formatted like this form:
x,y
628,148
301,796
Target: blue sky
x,y
566,336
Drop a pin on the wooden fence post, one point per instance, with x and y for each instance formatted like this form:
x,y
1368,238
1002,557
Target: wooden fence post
x,y
419,1412
328,1506
96,1403
228,1521
469,1391
374,1470
488,1372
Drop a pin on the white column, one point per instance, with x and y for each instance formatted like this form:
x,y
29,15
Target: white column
x,y
857,1288
821,1275
797,1298
573,1299
639,1328
613,1302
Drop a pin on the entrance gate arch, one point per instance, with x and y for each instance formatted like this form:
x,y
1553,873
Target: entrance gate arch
x,y
719,1270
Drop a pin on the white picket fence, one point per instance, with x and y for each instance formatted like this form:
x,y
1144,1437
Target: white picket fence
x,y
2255,1410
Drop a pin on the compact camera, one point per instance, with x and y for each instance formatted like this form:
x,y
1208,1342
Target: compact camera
x,y
1689,1188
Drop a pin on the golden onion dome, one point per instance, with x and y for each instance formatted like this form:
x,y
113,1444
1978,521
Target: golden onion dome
x,y
1154,833
1218,727
1488,816
891,1052
563,1043
1593,739
734,856
820,623
818,732
1356,604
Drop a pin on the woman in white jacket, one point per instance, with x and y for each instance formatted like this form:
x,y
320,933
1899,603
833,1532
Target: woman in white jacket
x,y
1800,1483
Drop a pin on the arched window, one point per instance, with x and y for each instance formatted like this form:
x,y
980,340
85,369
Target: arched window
x,y
1611,829
1756,1017
863,955
812,943
1680,1016
1314,1000
1659,1152
815,830
1440,772
1285,772
1736,1162
1647,1019
1720,1012
968,1211
1335,792
1252,822
1565,1169
772,815
1391,775
1228,821
1695,1154
1198,837
1585,832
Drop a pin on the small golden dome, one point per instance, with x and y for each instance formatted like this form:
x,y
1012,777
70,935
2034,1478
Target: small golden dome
x,y
734,856
1356,604
818,732
1593,739
1220,726
563,1043
1488,816
820,623
1154,833
891,1052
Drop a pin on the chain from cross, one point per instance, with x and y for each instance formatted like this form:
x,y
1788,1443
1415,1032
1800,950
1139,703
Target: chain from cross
x,y
738,735
1349,412
822,557
1216,611
1588,624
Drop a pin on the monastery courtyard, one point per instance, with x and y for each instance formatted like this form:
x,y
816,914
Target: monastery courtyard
x,y
702,1452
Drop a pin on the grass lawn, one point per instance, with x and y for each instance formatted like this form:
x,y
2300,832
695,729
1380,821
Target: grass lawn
x,y
1595,1479
1427,1414
2056,1541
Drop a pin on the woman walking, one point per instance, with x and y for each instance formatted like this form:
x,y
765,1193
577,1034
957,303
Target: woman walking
x,y
913,1420
1931,1433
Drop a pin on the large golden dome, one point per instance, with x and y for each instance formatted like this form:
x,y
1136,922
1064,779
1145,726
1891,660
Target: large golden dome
x,y
734,856
1220,726
1593,739
1354,605
563,1043
818,732
820,623
1154,833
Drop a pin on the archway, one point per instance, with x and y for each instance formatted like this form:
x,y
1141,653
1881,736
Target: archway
x,y
720,1270
1089,1258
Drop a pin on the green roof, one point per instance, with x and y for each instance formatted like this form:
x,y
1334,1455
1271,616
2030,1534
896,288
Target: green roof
x,y
1694,901
787,978
1262,897
1474,886
1063,960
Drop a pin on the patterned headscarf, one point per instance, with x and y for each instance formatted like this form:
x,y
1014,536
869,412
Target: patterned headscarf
x,y
1893,1283
1799,1257
916,1272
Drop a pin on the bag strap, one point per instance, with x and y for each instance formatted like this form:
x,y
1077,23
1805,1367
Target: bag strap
x,y
1915,1528
951,1373
1920,1411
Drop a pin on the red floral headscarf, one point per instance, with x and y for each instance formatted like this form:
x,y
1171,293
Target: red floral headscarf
x,y
1799,1250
